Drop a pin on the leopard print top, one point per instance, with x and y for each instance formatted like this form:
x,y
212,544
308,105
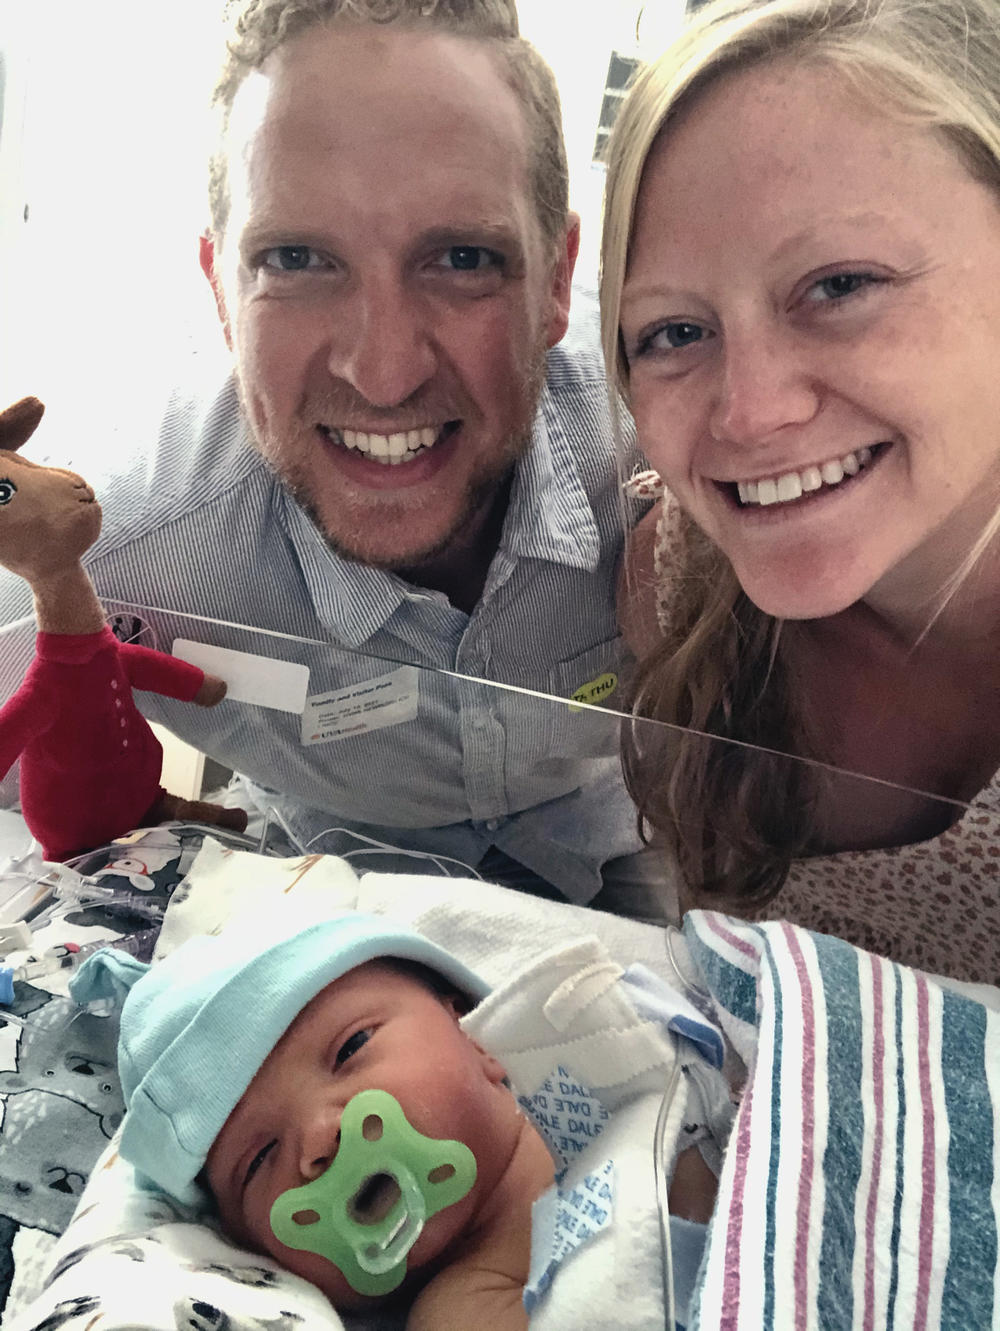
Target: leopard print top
x,y
934,905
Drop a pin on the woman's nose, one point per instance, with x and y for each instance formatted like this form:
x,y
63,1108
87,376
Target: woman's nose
x,y
765,386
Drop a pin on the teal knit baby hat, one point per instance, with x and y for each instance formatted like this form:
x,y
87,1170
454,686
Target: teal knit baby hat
x,y
197,1026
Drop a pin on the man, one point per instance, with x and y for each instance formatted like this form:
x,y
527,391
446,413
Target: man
x,y
407,470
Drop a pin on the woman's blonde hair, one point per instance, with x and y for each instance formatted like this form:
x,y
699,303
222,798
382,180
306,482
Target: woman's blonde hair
x,y
737,816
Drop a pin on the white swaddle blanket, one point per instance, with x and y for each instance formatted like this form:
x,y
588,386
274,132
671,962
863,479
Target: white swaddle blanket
x,y
592,1071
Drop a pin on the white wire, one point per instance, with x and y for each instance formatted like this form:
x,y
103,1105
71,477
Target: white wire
x,y
663,1196
381,847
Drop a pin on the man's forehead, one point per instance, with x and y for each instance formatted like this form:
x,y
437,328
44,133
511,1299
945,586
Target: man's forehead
x,y
345,93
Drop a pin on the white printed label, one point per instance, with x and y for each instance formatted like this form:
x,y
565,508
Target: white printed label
x,y
357,709
259,680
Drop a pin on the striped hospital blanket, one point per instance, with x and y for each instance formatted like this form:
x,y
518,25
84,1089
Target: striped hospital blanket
x,y
861,1188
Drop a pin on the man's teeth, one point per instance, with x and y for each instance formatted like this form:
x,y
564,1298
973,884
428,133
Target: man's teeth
x,y
794,484
389,449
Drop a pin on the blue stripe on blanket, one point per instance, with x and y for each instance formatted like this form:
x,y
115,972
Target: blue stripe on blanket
x,y
968,1294
897,1201
838,965
733,988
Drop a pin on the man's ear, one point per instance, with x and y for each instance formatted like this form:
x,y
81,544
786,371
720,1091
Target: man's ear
x,y
562,281
206,258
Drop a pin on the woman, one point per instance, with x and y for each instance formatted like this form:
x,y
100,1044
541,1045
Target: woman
x,y
801,306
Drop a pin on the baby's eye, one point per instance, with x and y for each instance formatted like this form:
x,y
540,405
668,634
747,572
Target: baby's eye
x,y
352,1045
257,1161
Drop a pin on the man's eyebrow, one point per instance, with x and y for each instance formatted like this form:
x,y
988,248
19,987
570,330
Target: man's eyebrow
x,y
261,236
493,235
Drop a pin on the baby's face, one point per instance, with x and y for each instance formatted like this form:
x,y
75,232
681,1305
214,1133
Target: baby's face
x,y
376,1027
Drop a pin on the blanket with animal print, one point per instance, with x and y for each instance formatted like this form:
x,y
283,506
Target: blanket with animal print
x,y
60,1099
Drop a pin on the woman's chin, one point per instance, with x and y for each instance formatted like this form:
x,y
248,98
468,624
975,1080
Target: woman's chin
x,y
784,601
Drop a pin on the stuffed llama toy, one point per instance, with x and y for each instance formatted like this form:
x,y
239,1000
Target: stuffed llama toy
x,y
90,764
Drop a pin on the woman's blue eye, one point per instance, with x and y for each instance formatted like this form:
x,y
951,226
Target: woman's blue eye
x,y
351,1046
838,285
682,334
674,336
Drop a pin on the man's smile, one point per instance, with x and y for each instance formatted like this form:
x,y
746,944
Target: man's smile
x,y
390,450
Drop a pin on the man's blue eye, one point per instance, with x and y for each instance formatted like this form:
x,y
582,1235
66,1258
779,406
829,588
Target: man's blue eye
x,y
351,1046
289,258
466,257
472,258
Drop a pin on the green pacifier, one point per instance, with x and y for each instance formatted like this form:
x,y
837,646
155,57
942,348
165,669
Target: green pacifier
x,y
367,1210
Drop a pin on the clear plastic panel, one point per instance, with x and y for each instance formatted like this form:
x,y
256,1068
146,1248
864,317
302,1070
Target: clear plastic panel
x,y
434,761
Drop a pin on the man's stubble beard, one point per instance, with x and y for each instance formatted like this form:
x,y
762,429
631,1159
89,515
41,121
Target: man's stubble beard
x,y
481,490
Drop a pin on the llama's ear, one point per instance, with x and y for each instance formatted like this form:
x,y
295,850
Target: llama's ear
x,y
19,422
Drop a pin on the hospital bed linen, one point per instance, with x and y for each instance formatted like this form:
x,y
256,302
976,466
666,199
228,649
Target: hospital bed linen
x,y
834,1211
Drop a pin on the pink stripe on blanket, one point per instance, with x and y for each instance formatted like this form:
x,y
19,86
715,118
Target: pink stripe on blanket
x,y
927,1171
729,1319
727,935
878,1093
808,1131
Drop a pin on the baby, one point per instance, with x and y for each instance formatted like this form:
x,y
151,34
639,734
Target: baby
x,y
319,1088
239,1059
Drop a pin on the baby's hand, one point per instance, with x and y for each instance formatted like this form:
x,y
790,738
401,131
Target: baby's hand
x,y
19,422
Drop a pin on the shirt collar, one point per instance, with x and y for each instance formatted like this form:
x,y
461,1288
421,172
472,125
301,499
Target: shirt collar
x,y
550,515
353,600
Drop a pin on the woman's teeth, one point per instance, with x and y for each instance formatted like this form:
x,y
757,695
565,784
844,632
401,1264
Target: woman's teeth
x,y
794,484
389,449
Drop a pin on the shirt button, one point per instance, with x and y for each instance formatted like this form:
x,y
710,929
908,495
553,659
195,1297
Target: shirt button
x,y
123,722
114,683
492,824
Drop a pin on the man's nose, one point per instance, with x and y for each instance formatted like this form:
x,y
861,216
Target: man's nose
x,y
384,348
320,1138
766,384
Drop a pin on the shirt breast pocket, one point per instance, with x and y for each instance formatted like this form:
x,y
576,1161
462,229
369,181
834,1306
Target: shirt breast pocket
x,y
589,680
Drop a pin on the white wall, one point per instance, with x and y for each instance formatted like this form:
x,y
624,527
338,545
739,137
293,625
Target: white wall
x,y
102,287
577,38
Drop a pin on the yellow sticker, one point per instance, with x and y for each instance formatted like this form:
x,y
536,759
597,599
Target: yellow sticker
x,y
598,689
